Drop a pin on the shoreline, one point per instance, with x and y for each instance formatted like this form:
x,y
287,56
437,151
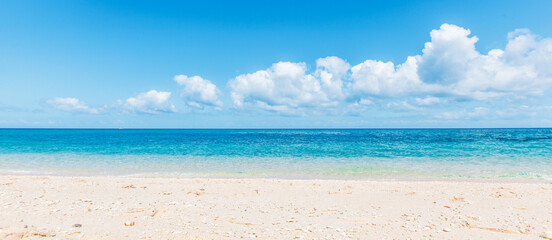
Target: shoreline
x,y
293,178
118,207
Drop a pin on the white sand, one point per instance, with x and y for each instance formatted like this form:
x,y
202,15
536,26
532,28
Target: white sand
x,y
155,208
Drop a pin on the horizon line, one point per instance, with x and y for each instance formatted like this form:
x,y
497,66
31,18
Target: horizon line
x,y
381,128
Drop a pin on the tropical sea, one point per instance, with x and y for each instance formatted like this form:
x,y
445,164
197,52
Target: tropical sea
x,y
281,153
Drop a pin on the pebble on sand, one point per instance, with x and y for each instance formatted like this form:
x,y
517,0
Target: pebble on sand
x,y
546,235
128,223
77,225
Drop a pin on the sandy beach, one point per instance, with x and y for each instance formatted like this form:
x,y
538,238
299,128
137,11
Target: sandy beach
x,y
161,208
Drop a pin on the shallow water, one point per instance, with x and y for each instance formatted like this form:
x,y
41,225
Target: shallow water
x,y
320,153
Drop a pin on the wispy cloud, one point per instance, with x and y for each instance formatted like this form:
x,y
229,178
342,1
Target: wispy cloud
x,y
475,113
151,102
71,105
427,101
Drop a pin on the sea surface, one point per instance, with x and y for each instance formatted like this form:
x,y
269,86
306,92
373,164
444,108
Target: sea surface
x,y
277,153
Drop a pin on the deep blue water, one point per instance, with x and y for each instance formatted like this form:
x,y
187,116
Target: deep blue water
x,y
321,153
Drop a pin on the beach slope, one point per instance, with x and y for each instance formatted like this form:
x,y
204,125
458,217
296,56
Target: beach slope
x,y
164,208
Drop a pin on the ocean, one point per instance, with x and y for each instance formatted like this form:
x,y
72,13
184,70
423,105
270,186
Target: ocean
x,y
280,153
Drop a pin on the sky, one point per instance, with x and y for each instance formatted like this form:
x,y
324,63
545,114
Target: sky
x,y
284,64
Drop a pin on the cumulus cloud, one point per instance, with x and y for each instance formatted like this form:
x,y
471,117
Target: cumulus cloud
x,y
449,66
377,78
287,87
151,102
447,58
198,92
331,71
71,105
452,60
448,69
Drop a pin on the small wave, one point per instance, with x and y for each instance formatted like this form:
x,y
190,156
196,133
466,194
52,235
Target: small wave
x,y
525,139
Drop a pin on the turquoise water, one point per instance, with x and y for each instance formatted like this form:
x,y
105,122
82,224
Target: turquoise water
x,y
321,153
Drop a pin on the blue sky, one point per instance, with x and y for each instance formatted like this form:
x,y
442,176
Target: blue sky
x,y
256,64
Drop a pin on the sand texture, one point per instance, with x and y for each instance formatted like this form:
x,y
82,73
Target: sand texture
x,y
158,208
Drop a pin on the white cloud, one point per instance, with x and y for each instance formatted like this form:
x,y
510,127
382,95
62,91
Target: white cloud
x,y
331,71
365,102
377,78
447,58
358,107
404,105
477,112
71,105
286,87
522,67
449,68
451,65
151,102
512,111
197,91
427,101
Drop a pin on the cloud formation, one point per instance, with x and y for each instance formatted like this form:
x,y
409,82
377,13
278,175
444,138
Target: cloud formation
x,y
151,102
449,69
449,66
71,105
452,61
287,87
198,92
384,79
